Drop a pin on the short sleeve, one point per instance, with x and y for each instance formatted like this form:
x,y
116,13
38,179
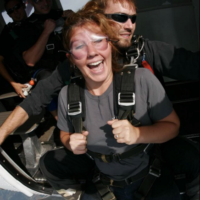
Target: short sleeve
x,y
153,94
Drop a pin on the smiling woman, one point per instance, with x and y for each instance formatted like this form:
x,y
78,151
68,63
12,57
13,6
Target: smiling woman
x,y
95,67
83,39
89,40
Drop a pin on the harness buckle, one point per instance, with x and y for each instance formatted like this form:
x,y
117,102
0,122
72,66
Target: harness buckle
x,y
74,108
128,181
154,172
50,47
96,178
116,157
148,148
105,158
126,99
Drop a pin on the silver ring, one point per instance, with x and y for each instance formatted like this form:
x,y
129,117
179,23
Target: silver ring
x,y
117,136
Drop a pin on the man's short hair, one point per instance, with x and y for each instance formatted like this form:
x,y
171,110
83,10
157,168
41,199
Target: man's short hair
x,y
7,1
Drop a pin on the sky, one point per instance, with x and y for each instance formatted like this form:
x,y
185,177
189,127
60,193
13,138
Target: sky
x,y
73,4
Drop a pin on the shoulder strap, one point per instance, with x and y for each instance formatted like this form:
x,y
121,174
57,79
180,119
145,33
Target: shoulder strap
x,y
124,94
76,104
124,98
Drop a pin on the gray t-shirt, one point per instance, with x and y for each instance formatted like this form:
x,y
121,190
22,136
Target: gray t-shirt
x,y
152,105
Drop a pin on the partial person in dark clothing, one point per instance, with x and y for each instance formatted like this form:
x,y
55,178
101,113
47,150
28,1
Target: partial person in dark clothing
x,y
40,50
18,37
164,59
44,37
10,67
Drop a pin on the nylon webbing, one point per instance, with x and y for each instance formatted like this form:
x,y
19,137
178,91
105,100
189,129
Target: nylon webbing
x,y
74,95
127,89
117,157
149,180
104,191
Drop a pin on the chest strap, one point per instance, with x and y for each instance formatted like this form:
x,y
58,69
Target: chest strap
x,y
107,181
145,148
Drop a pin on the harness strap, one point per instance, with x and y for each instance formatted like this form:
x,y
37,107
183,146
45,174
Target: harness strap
x,y
126,101
150,174
117,157
154,173
107,181
146,185
126,96
104,191
124,93
75,108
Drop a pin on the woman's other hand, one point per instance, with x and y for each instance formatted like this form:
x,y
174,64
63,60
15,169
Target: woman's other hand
x,y
124,131
78,142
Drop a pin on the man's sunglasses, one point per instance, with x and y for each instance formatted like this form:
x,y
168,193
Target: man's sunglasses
x,y
122,18
16,7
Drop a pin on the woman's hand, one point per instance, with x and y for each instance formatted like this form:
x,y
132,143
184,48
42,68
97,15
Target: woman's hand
x,y
78,142
124,131
158,132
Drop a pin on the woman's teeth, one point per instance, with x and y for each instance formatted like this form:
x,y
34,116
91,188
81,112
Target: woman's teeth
x,y
95,64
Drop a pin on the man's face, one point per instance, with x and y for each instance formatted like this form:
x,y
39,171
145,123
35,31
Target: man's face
x,y
42,6
124,30
16,11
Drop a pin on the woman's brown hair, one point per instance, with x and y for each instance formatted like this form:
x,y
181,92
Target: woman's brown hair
x,y
88,18
101,5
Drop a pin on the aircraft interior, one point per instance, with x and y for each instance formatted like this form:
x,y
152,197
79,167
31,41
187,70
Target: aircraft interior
x,y
20,153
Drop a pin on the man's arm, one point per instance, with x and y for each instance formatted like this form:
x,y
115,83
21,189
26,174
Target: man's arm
x,y
46,89
175,63
40,97
17,86
15,119
33,55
